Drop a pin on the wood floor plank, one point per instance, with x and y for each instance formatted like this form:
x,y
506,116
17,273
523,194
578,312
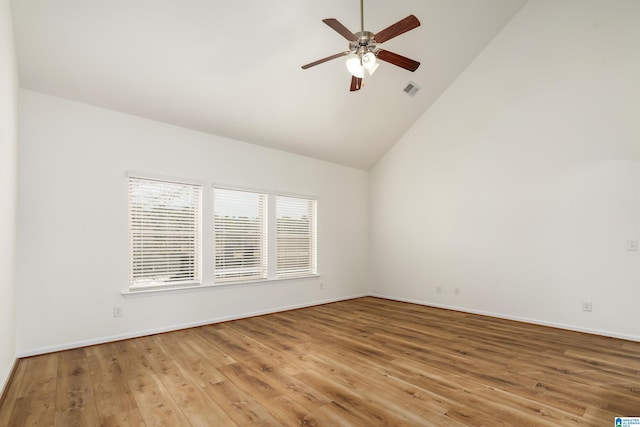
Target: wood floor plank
x,y
362,362
10,398
241,407
110,387
154,401
34,395
283,349
193,402
357,404
195,355
131,418
47,368
268,367
32,412
290,413
75,401
406,399
334,414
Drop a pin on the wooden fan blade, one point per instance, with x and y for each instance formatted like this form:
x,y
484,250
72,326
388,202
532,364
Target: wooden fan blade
x,y
400,27
356,83
399,60
340,29
328,58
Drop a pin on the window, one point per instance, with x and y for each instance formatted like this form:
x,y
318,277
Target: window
x,y
164,233
240,224
296,236
255,235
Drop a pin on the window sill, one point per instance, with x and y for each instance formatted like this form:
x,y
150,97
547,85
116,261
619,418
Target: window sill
x,y
142,292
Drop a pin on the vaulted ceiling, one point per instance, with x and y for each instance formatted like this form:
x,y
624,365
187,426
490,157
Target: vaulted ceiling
x,y
233,68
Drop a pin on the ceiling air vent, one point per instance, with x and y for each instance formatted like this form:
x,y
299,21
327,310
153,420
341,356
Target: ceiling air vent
x,y
411,89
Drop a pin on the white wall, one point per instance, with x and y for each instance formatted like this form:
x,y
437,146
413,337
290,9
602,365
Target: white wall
x,y
72,244
521,185
8,197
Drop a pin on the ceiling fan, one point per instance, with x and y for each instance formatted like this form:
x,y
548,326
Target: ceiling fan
x,y
363,48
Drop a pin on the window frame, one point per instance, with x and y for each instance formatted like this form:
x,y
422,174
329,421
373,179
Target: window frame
x,y
281,272
193,274
264,206
205,270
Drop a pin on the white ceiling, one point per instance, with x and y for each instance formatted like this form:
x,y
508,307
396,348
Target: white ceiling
x,y
233,68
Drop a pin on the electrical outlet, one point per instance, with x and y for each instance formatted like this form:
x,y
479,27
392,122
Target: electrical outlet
x,y
439,289
586,306
632,245
456,291
117,311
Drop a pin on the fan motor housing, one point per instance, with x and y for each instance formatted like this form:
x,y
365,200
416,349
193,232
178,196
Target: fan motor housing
x,y
364,42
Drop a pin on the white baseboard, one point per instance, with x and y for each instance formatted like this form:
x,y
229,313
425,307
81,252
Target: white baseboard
x,y
137,334
516,318
106,339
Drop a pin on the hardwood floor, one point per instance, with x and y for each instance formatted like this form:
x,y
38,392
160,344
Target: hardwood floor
x,y
364,362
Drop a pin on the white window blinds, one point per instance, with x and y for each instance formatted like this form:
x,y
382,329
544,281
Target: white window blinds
x,y
164,232
240,223
296,236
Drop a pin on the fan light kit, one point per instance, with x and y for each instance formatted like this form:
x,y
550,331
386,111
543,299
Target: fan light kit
x,y
363,50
